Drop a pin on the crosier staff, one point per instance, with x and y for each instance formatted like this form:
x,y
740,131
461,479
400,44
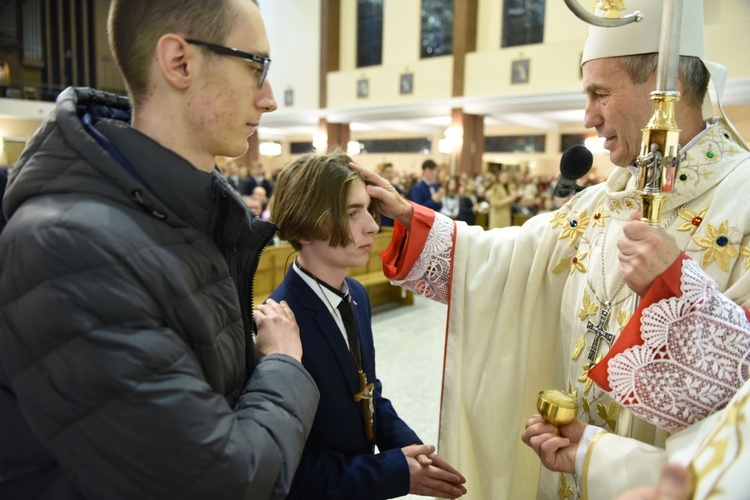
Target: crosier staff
x,y
660,149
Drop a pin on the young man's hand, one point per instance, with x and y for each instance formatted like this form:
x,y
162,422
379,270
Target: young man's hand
x,y
278,332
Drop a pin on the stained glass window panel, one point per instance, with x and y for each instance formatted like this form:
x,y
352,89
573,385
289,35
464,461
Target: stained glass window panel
x,y
523,22
437,28
369,32
515,144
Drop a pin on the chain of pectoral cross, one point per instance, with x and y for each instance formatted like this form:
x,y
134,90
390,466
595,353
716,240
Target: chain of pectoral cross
x,y
600,329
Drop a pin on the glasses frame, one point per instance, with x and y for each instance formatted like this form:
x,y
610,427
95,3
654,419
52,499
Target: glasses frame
x,y
229,51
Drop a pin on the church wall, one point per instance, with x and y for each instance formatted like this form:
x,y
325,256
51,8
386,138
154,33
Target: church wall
x,y
401,32
293,29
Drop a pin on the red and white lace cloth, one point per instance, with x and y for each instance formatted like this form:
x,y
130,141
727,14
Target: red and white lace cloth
x,y
694,357
430,275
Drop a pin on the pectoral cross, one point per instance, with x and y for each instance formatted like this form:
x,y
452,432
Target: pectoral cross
x,y
599,332
366,394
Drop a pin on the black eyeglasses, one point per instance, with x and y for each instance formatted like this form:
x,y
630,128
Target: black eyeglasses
x,y
227,51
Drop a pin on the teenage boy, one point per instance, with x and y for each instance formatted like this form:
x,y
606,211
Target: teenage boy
x,y
324,211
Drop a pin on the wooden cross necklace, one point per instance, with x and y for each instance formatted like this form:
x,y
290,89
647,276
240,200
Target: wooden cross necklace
x,y
366,394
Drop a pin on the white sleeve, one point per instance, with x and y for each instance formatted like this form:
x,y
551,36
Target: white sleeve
x,y
583,446
614,464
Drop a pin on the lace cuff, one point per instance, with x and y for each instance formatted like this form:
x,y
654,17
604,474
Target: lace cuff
x,y
430,275
693,359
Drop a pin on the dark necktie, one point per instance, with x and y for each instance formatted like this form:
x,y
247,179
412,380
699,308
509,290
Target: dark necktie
x,y
365,394
350,325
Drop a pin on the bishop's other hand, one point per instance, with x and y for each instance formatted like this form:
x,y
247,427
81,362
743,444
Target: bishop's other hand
x,y
645,253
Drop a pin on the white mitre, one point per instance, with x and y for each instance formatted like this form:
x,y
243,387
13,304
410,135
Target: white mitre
x,y
643,37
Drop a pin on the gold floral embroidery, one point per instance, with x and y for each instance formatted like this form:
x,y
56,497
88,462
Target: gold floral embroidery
x,y
745,252
584,377
577,263
709,154
589,307
564,492
580,344
575,228
718,246
571,391
608,413
599,216
574,263
693,219
560,218
622,318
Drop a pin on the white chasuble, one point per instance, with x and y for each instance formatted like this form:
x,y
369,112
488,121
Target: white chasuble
x,y
526,303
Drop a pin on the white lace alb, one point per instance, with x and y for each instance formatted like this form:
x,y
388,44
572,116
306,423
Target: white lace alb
x,y
694,357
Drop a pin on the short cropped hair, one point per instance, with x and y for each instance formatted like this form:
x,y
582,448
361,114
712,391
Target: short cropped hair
x,y
429,164
134,27
691,72
310,199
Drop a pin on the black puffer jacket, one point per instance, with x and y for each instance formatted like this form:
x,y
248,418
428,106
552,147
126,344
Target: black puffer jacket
x,y
125,287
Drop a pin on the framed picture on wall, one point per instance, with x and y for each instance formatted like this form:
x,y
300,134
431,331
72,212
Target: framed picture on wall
x,y
363,88
407,83
519,71
289,97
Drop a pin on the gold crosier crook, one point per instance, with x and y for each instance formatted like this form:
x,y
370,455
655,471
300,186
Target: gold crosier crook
x,y
657,164
660,149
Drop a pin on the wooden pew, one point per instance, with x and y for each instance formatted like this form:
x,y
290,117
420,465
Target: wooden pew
x,y
276,259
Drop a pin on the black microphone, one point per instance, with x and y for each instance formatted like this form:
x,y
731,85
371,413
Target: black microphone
x,y
576,161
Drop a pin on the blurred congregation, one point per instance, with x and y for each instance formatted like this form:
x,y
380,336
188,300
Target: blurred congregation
x,y
490,199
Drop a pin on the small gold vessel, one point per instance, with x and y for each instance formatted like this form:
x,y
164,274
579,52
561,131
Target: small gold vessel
x,y
557,407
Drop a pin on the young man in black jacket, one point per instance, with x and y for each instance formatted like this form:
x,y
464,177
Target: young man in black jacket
x,y
128,362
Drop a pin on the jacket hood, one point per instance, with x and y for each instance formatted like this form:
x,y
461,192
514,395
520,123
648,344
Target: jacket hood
x,y
87,147
62,157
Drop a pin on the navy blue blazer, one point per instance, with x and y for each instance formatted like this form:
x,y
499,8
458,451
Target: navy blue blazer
x,y
338,460
421,195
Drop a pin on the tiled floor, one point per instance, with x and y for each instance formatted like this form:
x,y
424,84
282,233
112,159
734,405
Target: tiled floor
x,y
409,342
